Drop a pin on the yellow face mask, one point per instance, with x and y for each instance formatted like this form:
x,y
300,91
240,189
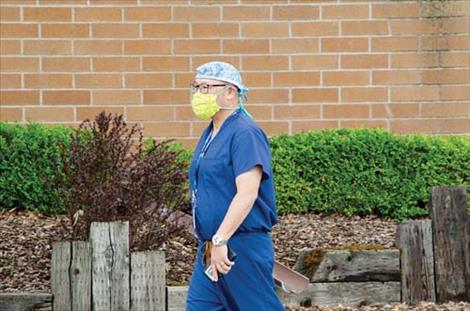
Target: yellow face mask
x,y
204,105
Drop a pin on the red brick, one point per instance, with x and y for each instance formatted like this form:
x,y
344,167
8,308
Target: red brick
x,y
19,30
455,42
443,25
47,14
364,94
364,27
295,112
116,30
257,79
48,47
214,30
166,97
388,77
265,30
98,81
455,126
414,60
314,29
116,64
10,47
299,126
296,78
66,97
268,96
455,92
173,30
48,81
10,81
294,45
148,80
415,126
13,98
184,113
364,61
388,44
363,124
64,31
455,59
98,14
246,46
19,64
11,114
147,47
67,64
49,114
265,63
345,11
345,111
117,97
395,10
196,13
274,127
260,112
97,47
402,110
10,14
445,110
305,62
167,129
147,14
295,12
446,76
205,46
344,44
170,63
150,113
315,95
415,93
345,78
237,13
182,80
91,112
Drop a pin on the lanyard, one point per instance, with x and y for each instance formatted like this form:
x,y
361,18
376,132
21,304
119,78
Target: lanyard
x,y
208,141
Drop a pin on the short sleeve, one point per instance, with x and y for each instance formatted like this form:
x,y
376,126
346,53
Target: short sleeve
x,y
249,149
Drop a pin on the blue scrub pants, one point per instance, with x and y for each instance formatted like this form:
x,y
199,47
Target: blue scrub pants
x,y
248,286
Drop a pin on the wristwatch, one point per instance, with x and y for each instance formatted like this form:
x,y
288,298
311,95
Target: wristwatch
x,y
218,241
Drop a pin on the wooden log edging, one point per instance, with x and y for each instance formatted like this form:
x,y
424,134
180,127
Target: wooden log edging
x,y
451,235
349,265
414,238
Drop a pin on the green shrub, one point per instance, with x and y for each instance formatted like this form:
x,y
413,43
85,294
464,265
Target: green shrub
x,y
29,162
363,171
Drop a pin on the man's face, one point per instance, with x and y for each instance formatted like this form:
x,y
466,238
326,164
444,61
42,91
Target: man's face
x,y
224,91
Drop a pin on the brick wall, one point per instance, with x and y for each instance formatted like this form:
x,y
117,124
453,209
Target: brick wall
x,y
309,64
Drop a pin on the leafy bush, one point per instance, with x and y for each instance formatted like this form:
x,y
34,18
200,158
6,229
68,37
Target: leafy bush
x,y
109,176
29,160
363,171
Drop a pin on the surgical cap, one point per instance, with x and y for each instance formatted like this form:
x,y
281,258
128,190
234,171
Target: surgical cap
x,y
224,72
221,71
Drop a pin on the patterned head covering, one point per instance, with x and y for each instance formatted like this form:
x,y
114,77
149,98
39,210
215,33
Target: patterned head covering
x,y
224,72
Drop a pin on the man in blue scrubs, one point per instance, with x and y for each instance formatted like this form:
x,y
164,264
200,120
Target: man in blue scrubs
x,y
232,199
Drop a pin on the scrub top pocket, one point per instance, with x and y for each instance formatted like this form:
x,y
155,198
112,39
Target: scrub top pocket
x,y
213,172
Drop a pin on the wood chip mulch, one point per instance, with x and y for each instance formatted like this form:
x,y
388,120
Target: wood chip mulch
x,y
26,240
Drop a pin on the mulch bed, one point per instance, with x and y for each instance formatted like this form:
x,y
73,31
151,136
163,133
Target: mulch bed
x,y
26,240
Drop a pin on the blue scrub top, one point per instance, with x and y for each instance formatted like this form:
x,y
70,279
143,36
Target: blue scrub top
x,y
239,146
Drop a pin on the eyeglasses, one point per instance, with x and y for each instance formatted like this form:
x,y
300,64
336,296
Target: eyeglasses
x,y
203,87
